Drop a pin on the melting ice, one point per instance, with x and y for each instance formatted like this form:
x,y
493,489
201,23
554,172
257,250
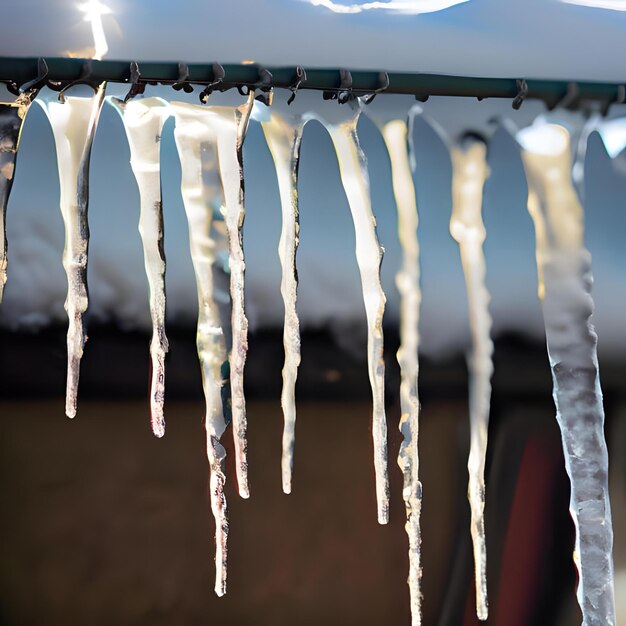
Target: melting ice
x,y
73,123
223,129
143,120
283,133
340,121
196,139
392,124
284,137
230,125
565,279
469,172
12,115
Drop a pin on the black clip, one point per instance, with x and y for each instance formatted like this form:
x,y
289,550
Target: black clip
x,y
183,79
300,78
422,97
569,100
34,83
85,78
344,92
218,77
522,92
383,82
264,85
137,87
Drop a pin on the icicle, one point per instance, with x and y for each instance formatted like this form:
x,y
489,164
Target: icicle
x,y
369,254
231,126
143,120
283,135
74,124
12,115
564,268
469,167
613,135
390,116
408,282
226,128
195,140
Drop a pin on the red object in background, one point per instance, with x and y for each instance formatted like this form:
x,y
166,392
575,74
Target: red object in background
x,y
529,544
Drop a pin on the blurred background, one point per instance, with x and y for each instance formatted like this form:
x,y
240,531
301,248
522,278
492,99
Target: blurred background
x,y
104,524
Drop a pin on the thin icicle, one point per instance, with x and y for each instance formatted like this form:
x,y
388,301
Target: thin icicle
x,y
395,134
470,170
200,186
12,115
227,127
369,254
74,124
233,126
283,139
565,279
143,120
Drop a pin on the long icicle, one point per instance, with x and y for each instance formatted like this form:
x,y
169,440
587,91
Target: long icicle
x,y
395,134
469,172
284,140
12,115
565,279
369,254
74,123
196,149
233,128
143,120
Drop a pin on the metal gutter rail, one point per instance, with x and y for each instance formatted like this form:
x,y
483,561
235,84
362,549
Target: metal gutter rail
x,y
58,72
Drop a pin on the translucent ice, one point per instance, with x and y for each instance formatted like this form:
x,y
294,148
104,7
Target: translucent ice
x,y
12,115
564,269
200,186
143,120
391,116
74,124
340,121
283,133
469,172
223,129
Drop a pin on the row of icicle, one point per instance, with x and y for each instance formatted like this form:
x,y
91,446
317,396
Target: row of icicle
x,y
209,140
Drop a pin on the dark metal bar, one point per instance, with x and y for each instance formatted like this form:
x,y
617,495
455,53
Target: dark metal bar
x,y
65,70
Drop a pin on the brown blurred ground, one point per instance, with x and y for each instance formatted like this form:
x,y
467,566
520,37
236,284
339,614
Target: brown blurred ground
x,y
105,524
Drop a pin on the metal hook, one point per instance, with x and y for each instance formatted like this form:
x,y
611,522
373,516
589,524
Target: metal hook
x,y
300,78
85,78
383,81
343,93
264,85
522,92
218,77
33,84
137,87
183,76
569,100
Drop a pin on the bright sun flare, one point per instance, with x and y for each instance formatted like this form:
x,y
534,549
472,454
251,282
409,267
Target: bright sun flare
x,y
94,10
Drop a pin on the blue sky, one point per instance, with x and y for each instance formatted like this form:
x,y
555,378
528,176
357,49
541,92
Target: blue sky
x,y
541,38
